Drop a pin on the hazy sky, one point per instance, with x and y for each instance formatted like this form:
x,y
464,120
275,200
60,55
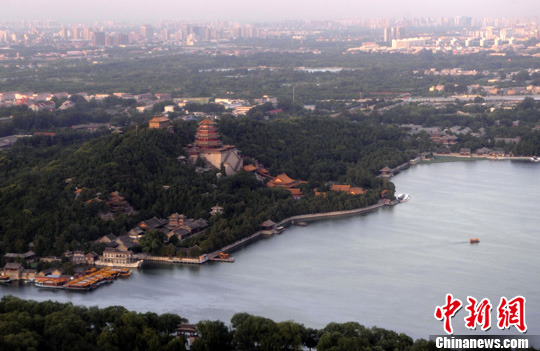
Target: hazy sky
x,y
257,10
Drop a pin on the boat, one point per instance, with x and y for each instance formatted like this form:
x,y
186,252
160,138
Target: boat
x,y
125,272
223,255
4,279
50,282
474,240
403,197
80,287
535,159
279,230
300,223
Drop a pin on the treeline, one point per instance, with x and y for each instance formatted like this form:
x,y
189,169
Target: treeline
x,y
485,125
189,75
110,110
319,149
38,178
29,325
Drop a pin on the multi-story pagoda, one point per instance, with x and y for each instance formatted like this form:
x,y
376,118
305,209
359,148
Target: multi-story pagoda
x,y
208,147
207,136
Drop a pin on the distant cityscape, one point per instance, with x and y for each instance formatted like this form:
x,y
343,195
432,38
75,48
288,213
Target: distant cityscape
x,y
457,35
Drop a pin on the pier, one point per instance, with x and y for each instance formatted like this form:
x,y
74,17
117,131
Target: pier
x,y
231,247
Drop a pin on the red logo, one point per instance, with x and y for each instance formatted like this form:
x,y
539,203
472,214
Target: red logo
x,y
512,313
448,311
478,313
509,313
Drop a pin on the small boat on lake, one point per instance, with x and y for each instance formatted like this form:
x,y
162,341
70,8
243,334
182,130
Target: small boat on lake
x,y
474,240
403,197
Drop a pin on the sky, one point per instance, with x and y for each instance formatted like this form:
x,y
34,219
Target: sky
x,y
257,10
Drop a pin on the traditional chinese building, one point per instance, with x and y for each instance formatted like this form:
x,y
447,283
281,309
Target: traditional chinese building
x,y
160,122
118,203
347,189
386,172
208,147
115,257
286,182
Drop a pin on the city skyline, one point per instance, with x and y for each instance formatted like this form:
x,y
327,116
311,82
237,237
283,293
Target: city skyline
x,y
250,11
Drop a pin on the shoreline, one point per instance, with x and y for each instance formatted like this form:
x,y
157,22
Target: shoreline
x,y
453,157
288,221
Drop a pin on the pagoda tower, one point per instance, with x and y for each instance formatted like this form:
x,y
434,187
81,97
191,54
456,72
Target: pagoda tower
x,y
208,147
207,136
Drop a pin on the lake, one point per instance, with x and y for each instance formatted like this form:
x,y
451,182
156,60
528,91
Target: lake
x,y
388,268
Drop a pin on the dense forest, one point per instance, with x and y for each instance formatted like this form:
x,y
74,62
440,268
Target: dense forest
x,y
39,176
30,325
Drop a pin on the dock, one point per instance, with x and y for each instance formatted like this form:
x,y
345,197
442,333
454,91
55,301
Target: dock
x,y
231,247
219,259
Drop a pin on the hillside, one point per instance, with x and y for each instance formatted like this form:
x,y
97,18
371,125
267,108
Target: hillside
x,y
40,175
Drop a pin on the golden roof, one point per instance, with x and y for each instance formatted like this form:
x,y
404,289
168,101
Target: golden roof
x,y
207,121
250,168
159,119
339,187
283,179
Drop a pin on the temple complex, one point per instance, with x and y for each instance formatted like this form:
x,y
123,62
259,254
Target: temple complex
x,y
208,147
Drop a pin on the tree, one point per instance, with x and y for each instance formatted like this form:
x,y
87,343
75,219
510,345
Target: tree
x,y
213,335
152,241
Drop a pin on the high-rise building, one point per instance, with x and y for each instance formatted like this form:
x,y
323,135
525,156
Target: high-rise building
x,y
164,35
400,33
502,34
98,38
147,31
75,33
387,35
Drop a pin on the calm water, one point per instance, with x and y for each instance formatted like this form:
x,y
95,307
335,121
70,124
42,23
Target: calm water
x,y
389,268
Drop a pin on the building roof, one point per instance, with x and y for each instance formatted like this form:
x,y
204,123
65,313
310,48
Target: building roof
x,y
202,223
177,216
268,223
152,223
340,187
135,232
108,238
356,191
126,241
159,119
110,249
282,180
295,191
25,255
250,168
13,266
207,121
181,232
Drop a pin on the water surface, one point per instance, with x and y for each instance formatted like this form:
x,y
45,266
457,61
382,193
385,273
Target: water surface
x,y
388,268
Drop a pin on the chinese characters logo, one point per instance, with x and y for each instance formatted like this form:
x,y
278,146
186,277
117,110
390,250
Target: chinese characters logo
x,y
509,313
